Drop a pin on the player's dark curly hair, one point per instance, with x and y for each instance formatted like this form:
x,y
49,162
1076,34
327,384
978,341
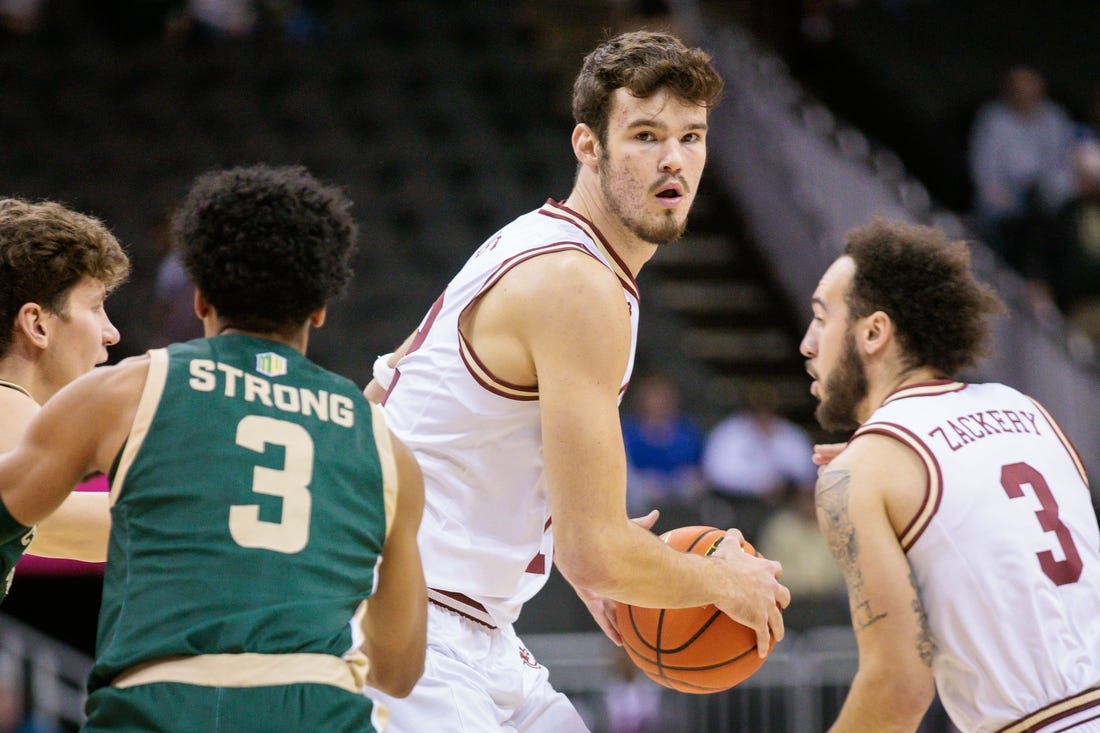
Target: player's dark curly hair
x,y
266,245
642,62
45,250
923,281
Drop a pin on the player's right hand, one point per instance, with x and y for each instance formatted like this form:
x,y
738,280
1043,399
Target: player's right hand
x,y
754,597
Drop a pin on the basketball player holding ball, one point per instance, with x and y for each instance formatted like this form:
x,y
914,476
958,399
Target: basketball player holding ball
x,y
508,396
959,513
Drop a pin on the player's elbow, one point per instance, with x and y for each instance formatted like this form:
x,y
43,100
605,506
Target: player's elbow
x,y
909,692
585,567
398,677
910,703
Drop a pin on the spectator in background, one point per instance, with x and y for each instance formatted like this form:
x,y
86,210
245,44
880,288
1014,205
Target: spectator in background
x,y
173,312
663,446
1020,149
21,17
1077,279
751,458
233,20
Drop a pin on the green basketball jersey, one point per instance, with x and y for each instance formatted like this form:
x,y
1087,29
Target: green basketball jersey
x,y
14,540
249,508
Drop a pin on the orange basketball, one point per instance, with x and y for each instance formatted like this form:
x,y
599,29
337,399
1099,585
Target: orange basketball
x,y
698,650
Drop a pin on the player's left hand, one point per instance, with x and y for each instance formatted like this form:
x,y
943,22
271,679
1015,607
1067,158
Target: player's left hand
x,y
826,452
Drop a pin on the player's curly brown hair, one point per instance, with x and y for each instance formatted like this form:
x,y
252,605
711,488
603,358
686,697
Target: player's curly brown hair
x,y
923,281
266,245
45,250
642,62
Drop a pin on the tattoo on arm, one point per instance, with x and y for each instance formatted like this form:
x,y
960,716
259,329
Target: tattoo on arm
x,y
925,644
840,534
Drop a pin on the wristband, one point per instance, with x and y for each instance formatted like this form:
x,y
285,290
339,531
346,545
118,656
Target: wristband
x,y
383,372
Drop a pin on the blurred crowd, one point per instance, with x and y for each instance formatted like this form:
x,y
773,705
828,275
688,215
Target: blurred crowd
x,y
180,22
752,470
1036,175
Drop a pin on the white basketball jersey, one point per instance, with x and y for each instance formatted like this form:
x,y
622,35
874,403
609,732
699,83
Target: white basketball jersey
x,y
1006,555
486,537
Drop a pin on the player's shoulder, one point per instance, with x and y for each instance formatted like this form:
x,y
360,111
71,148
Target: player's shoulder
x,y
563,292
875,457
112,381
551,228
130,361
566,270
17,410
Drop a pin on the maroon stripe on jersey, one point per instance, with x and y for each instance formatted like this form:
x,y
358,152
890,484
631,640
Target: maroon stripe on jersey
x,y
508,264
477,369
461,604
933,487
537,566
564,213
1041,720
490,381
925,389
1071,449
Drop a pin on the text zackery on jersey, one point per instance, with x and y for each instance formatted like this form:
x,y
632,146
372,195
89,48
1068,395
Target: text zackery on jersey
x,y
965,429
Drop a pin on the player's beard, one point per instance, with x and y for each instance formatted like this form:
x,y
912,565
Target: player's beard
x,y
615,185
845,388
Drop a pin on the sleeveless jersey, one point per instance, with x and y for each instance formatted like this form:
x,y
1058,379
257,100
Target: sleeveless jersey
x,y
1006,555
15,538
486,536
249,508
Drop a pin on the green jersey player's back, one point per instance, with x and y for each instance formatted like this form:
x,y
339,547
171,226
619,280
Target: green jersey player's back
x,y
249,508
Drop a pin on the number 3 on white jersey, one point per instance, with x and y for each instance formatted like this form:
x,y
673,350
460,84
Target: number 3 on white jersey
x,y
291,483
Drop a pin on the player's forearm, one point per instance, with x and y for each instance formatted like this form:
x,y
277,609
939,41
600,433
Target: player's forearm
x,y
32,487
633,566
395,627
883,703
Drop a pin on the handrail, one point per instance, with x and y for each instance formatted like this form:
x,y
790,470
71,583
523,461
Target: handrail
x,y
53,674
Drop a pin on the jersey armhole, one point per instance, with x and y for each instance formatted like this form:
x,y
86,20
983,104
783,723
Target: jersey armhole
x,y
387,461
155,380
933,490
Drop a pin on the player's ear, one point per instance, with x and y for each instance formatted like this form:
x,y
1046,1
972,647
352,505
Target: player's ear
x,y
317,317
202,305
586,146
32,321
877,332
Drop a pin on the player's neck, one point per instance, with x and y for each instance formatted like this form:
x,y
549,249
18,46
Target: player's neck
x,y
297,341
901,378
587,201
19,374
